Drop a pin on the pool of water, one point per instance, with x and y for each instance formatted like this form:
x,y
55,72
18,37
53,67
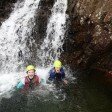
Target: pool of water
x,y
84,95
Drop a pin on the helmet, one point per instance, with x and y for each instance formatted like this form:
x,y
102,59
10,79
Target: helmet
x,y
30,67
57,63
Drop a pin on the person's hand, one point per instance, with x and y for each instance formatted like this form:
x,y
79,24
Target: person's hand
x,y
42,87
110,72
43,81
65,82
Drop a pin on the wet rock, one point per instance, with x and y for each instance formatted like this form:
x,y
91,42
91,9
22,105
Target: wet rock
x,y
6,7
39,31
89,39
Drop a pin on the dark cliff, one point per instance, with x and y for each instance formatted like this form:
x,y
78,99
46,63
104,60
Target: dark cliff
x,y
89,40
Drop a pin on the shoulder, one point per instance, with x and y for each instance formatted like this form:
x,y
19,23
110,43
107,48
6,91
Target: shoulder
x,y
62,69
37,77
52,70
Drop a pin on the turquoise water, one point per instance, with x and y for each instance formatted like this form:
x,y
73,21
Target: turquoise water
x,y
85,95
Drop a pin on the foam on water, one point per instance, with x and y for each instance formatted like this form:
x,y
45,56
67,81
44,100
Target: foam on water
x,y
49,91
7,84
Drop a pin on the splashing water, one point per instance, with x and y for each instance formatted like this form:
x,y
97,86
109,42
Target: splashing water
x,y
52,45
14,33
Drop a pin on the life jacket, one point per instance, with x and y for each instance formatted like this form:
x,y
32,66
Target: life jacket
x,y
31,83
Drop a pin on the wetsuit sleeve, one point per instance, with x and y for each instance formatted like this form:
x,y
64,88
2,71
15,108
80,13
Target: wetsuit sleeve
x,y
21,84
63,74
51,75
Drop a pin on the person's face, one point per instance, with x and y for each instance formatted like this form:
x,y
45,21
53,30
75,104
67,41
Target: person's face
x,y
57,69
31,73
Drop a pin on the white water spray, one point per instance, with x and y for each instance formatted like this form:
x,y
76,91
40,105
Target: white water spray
x,y
14,33
52,45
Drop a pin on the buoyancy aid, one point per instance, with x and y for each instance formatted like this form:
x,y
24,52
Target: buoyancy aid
x,y
31,83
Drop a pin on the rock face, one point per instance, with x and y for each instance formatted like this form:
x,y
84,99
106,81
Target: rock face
x,y
89,39
6,7
43,14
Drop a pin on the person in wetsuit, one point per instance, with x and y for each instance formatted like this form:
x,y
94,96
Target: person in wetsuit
x,y
57,73
30,81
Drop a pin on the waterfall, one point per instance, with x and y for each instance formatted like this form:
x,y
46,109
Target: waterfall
x,y
52,44
14,33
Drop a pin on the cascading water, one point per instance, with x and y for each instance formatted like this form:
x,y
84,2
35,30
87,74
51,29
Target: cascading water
x,y
52,45
14,33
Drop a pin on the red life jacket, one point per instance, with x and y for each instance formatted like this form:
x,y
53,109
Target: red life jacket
x,y
31,83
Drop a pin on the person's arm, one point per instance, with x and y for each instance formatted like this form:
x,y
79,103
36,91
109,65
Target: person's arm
x,y
21,84
51,75
62,74
65,81
41,80
63,77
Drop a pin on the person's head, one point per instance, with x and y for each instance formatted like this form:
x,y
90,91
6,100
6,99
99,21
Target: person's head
x,y
57,66
30,71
